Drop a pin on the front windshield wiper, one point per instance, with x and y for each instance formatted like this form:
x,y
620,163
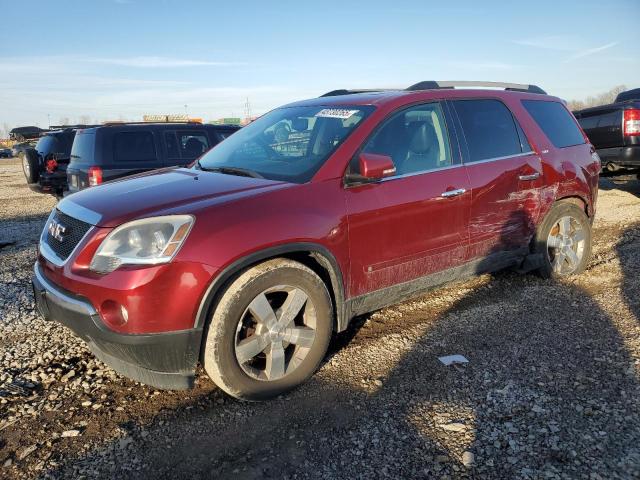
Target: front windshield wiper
x,y
242,172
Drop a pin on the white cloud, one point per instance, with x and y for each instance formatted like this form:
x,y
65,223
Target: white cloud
x,y
160,62
551,42
591,51
475,65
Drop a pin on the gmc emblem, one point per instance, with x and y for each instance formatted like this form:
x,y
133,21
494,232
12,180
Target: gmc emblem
x,y
56,230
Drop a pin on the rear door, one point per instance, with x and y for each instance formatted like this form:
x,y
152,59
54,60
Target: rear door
x,y
415,223
504,173
132,151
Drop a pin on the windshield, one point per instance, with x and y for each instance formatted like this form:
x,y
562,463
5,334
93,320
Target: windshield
x,y
288,144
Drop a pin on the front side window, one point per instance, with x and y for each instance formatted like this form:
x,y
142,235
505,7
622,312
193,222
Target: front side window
x,y
416,140
555,121
192,144
489,129
288,144
134,147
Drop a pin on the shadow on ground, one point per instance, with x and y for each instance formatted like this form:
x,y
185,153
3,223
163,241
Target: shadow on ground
x,y
550,390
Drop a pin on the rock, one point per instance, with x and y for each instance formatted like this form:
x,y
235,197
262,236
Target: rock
x,y
71,433
454,427
468,459
25,452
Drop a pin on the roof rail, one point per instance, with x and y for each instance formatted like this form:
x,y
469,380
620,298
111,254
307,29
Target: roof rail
x,y
118,122
515,87
344,91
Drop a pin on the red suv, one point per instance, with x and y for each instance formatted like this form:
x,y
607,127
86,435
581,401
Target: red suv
x,y
248,260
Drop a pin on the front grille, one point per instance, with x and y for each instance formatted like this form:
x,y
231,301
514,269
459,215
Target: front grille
x,y
74,231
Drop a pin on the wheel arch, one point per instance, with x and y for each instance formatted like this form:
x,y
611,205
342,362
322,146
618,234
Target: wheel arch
x,y
317,257
578,201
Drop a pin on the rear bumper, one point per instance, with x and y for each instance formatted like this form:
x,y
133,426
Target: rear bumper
x,y
54,183
162,360
622,156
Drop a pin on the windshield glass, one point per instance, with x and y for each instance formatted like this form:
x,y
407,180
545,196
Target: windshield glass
x,y
288,144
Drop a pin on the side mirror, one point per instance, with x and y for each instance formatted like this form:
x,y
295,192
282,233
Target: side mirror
x,y
374,166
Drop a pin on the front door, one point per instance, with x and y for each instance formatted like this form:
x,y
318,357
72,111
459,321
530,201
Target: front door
x,y
414,223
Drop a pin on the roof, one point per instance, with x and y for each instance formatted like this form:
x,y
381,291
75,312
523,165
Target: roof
x,y
379,97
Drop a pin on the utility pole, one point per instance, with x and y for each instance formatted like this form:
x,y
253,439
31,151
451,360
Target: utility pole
x,y
185,111
49,120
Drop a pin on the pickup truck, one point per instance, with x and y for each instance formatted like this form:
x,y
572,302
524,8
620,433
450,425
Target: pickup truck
x,y
614,130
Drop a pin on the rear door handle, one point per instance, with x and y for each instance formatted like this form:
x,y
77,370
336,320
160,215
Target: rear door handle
x,y
453,193
533,176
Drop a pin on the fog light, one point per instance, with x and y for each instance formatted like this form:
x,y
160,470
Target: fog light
x,y
113,313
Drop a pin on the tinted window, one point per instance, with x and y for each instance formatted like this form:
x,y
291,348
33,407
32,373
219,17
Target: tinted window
x,y
556,122
416,140
192,144
83,147
587,123
524,143
134,147
488,128
172,145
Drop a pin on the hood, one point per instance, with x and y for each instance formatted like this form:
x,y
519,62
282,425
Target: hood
x,y
160,192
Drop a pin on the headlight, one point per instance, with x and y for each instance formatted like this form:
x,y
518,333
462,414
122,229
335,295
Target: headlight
x,y
149,241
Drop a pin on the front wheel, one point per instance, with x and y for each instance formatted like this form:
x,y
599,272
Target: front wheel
x,y
564,241
270,330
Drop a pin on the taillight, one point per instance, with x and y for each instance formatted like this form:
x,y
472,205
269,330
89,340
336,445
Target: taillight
x,y
632,122
95,176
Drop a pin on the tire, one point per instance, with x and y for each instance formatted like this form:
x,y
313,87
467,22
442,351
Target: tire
x,y
286,357
31,165
568,252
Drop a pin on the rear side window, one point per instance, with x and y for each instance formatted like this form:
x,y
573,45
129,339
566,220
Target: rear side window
x,y
489,129
83,147
134,147
556,122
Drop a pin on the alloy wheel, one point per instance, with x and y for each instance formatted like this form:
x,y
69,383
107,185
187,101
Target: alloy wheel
x,y
275,333
566,245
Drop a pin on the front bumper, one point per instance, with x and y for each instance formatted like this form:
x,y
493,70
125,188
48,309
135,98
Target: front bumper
x,y
162,360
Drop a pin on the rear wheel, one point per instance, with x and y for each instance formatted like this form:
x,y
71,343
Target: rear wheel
x,y
564,240
270,330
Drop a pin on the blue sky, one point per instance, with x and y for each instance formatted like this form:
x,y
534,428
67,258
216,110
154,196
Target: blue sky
x,y
119,59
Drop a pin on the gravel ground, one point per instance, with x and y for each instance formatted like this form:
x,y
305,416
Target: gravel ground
x,y
550,391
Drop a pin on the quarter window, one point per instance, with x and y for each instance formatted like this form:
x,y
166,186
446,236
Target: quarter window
x,y
489,129
134,147
556,122
416,140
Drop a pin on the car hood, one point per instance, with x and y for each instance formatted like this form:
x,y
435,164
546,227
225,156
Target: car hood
x,y
161,192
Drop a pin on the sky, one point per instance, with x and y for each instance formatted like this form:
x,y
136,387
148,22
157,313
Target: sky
x,y
120,59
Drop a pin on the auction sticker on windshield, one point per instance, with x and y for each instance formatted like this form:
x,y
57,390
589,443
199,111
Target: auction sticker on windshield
x,y
336,113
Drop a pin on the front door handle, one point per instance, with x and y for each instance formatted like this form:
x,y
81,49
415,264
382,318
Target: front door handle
x,y
453,193
533,176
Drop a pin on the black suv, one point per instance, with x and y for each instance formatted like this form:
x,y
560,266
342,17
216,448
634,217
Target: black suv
x,y
116,150
614,130
45,165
